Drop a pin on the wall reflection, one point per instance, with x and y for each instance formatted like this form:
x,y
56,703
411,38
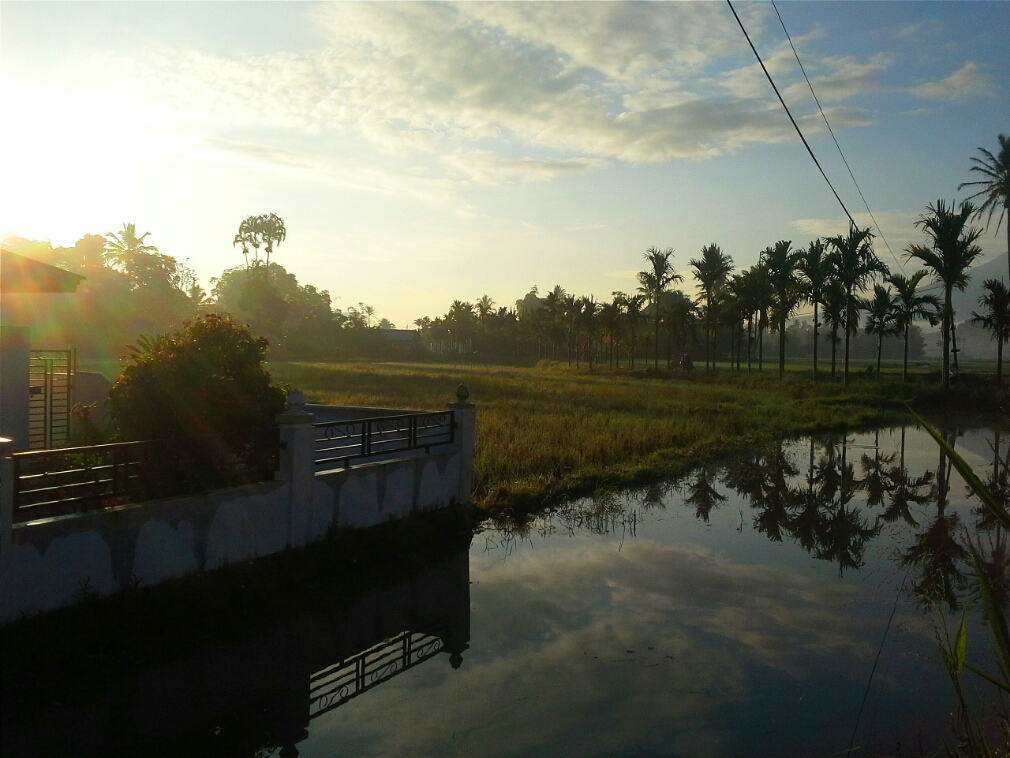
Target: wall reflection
x,y
253,698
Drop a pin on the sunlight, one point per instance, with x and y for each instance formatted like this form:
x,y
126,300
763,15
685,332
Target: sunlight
x,y
70,161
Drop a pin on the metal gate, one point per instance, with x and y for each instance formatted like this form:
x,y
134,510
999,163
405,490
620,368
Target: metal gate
x,y
52,398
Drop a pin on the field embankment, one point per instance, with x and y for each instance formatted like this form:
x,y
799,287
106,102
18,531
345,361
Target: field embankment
x,y
551,432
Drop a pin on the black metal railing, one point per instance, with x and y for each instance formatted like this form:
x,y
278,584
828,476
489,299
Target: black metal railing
x,y
76,479
335,685
341,442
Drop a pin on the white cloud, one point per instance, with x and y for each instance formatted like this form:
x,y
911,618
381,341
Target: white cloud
x,y
968,81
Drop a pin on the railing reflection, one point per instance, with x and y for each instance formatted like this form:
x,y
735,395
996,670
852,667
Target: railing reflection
x,y
254,697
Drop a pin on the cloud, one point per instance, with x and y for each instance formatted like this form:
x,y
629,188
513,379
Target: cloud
x,y
968,81
486,167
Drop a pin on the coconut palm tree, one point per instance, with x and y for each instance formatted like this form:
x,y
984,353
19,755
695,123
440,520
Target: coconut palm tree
x,y
996,318
780,263
911,305
951,253
813,266
142,263
711,272
654,282
881,317
995,188
855,265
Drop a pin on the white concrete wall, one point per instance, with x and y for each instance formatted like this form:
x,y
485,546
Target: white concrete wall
x,y
52,562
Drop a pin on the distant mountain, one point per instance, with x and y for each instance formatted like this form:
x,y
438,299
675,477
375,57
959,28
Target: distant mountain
x,y
967,301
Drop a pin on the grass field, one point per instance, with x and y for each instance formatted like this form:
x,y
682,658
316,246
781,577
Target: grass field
x,y
551,432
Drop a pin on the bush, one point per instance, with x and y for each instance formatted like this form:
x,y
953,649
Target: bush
x,y
205,386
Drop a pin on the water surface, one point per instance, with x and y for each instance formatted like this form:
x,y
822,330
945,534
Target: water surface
x,y
782,604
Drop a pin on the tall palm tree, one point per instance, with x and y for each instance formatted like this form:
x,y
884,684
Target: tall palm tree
x,y
711,272
951,253
835,304
265,230
996,318
780,262
855,265
813,266
995,188
129,252
881,317
633,311
654,282
910,306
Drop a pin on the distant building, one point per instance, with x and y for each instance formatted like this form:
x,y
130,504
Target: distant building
x,y
399,335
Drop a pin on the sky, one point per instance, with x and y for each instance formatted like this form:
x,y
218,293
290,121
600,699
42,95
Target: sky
x,y
422,153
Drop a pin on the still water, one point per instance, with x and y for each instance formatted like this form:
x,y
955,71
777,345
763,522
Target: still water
x,y
783,604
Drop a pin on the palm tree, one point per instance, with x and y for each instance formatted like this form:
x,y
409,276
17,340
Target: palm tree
x,y
267,230
996,318
952,251
633,311
711,271
654,283
855,265
812,264
910,305
995,188
780,262
129,252
881,316
834,315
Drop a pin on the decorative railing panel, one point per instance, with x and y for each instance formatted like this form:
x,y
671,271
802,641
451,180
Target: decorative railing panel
x,y
335,685
76,479
339,443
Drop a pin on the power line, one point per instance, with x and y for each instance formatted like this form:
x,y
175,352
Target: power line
x,y
835,139
789,113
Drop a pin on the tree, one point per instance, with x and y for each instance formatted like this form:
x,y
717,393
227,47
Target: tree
x,y
711,272
855,265
653,283
265,230
780,263
835,304
142,263
633,311
951,253
881,317
204,386
995,318
812,264
995,188
911,305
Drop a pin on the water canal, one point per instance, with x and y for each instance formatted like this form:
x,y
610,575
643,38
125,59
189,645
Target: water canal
x,y
738,612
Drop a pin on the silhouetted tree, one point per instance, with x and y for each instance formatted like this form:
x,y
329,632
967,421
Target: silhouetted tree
x,y
995,188
951,253
995,318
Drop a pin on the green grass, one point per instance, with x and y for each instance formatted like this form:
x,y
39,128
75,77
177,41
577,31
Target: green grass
x,y
549,433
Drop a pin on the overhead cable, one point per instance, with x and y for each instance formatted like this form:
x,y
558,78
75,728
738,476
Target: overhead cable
x,y
835,139
789,113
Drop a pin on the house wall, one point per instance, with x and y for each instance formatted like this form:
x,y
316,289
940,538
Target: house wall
x,y
52,562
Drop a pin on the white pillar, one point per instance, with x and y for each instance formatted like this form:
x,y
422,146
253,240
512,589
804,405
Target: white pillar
x,y
6,493
465,439
297,465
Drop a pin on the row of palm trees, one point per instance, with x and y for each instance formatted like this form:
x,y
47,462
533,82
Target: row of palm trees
x,y
840,276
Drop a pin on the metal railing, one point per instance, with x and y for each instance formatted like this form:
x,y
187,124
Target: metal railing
x,y
335,685
341,442
76,479
51,400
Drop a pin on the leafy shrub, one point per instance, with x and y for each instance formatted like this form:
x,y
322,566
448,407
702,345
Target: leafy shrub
x,y
205,386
